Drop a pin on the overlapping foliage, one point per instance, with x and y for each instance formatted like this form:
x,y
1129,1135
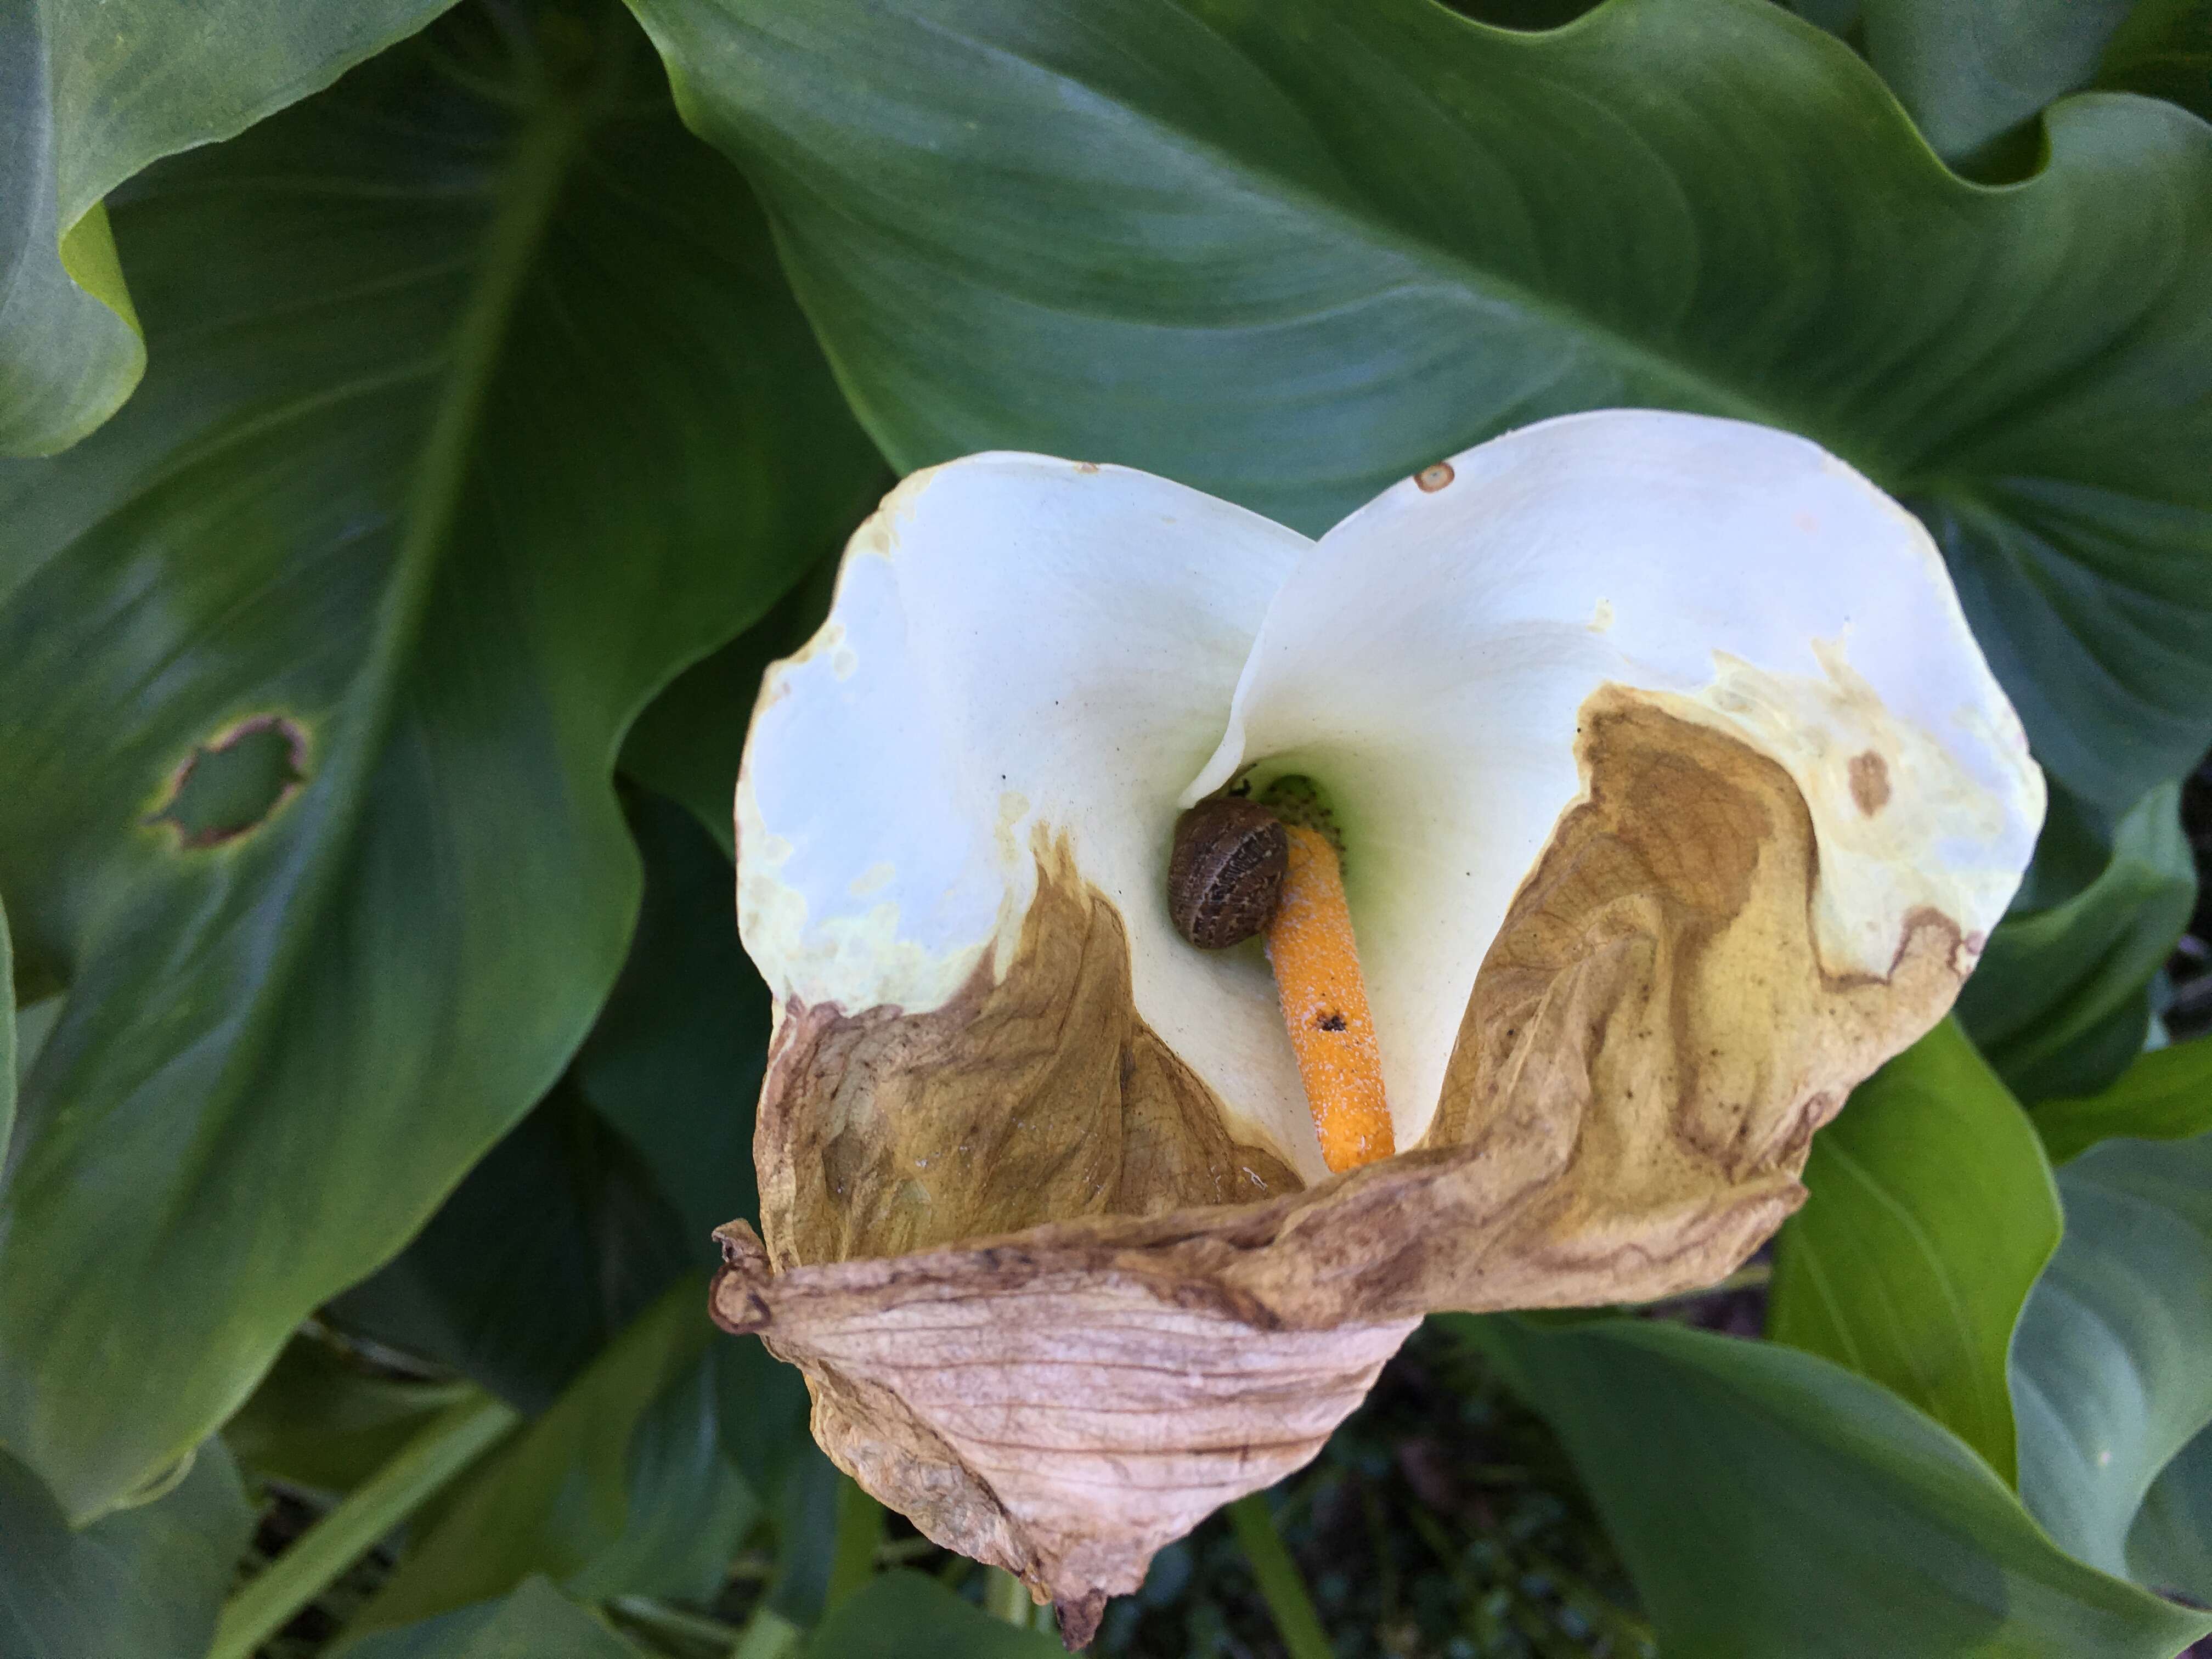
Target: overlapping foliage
x,y
430,424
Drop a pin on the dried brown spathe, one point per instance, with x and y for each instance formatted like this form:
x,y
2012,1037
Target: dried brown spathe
x,y
1049,1308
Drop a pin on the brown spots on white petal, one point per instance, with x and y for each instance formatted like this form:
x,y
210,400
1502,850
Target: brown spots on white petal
x,y
1869,782
1655,1011
1043,1097
1431,479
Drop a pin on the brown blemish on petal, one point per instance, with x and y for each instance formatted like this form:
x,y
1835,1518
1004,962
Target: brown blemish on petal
x,y
1869,782
1659,973
1081,1343
1043,1097
1433,478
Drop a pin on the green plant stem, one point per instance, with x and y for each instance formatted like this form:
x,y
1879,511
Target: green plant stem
x,y
768,1635
1296,1621
859,1535
1006,1597
444,1447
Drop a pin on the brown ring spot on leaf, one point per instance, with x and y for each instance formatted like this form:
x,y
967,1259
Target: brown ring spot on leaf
x,y
1869,782
234,782
1433,478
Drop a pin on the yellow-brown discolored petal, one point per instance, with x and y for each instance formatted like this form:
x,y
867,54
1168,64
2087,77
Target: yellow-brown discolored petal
x,y
1675,794
1004,1241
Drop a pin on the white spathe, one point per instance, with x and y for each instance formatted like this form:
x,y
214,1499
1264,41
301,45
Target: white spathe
x,y
1025,649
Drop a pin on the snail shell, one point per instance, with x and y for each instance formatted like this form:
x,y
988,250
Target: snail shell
x,y
1225,875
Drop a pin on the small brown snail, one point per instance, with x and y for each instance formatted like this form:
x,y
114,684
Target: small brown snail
x,y
1225,874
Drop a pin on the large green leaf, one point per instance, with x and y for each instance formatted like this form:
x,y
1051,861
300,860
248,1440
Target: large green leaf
x,y
535,1622
621,1488
2164,50
561,1204
477,409
91,91
147,1581
2166,1094
1289,253
1770,1503
2111,1376
903,1615
1932,1212
2061,1001
2170,1546
1968,71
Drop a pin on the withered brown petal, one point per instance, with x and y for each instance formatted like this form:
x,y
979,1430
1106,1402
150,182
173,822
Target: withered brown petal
x,y
1050,1309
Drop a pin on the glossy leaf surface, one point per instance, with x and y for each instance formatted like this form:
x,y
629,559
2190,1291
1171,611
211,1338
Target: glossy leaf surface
x,y
148,1580
622,1488
1971,69
2109,1373
1932,1212
424,356
91,91
2060,1002
2170,1546
2165,1095
1829,1517
1289,253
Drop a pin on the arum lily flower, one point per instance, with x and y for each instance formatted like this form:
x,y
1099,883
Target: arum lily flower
x,y
1673,796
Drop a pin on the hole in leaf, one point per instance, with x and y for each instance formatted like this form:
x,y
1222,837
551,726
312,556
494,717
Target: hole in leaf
x,y
230,785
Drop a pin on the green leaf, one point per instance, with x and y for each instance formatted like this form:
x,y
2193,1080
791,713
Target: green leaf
x,y
2110,1372
535,1622
1932,1212
2164,51
1970,71
808,1496
621,1488
322,1419
563,1204
146,1581
1769,1502
2170,1546
2061,1003
93,90
477,409
2166,1094
904,1615
1289,254
675,1060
